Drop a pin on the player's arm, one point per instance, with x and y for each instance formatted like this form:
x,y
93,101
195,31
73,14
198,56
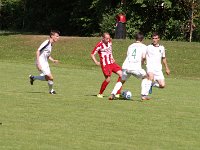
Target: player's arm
x,y
164,59
53,60
94,59
144,56
92,55
37,60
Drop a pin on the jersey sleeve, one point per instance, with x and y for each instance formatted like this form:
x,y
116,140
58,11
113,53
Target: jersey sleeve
x,y
96,49
43,45
144,51
163,53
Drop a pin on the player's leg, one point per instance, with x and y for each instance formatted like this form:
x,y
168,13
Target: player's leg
x,y
118,85
118,80
49,78
103,86
107,74
117,69
159,80
151,78
161,83
145,84
41,77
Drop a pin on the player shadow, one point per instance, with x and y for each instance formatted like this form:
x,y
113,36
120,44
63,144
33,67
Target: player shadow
x,y
36,92
95,95
134,99
130,100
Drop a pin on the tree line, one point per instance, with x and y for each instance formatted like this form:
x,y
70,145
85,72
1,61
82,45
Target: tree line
x,y
173,19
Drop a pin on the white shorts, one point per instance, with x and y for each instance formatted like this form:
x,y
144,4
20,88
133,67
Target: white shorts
x,y
45,69
158,75
141,73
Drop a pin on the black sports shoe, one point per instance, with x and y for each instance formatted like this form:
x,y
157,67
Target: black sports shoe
x,y
31,77
52,92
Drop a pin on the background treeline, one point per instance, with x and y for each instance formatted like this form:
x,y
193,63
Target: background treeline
x,y
91,17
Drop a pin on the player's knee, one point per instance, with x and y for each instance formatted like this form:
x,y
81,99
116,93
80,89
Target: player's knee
x,y
108,79
120,74
162,86
49,77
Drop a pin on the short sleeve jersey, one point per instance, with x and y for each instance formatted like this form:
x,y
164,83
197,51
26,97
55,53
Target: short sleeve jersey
x,y
135,53
154,54
45,51
105,52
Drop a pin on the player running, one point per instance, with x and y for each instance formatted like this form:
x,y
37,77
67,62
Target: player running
x,y
133,66
107,62
155,53
42,55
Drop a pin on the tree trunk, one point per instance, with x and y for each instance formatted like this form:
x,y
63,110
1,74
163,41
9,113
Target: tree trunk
x,y
191,21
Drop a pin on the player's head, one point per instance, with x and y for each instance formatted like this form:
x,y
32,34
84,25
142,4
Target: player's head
x,y
54,35
106,37
155,38
139,36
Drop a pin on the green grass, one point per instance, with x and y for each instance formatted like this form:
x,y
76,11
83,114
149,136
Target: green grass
x,y
75,119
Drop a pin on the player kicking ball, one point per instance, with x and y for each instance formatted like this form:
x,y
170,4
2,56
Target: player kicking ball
x,y
133,66
42,55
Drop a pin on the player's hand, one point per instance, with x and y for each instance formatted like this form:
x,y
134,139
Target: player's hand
x,y
113,60
167,71
55,61
97,63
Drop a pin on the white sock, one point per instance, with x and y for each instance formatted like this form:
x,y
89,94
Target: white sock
x,y
118,85
50,84
42,78
145,86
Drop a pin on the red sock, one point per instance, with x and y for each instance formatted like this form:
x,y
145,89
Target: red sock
x,y
103,86
119,91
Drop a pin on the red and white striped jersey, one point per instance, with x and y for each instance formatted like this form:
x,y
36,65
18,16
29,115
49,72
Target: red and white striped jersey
x,y
105,53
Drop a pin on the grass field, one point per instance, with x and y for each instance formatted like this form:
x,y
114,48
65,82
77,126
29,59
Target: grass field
x,y
32,119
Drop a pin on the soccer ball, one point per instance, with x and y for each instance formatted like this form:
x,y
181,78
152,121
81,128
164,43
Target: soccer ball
x,y
126,94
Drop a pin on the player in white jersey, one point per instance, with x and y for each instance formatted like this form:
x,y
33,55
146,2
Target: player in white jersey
x,y
133,66
155,53
42,55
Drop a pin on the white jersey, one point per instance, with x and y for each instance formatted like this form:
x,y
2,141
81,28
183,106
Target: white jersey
x,y
135,53
45,51
154,54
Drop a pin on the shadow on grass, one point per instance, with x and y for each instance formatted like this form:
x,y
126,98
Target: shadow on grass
x,y
36,92
118,99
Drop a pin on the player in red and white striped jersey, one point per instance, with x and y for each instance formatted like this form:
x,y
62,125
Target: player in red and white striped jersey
x,y
107,62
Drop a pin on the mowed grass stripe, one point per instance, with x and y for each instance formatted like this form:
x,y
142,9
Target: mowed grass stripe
x,y
76,119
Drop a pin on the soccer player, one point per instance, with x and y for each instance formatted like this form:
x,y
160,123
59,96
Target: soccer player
x,y
107,62
133,66
155,53
43,53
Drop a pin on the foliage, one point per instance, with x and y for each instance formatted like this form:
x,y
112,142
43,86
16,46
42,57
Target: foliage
x,y
91,17
108,23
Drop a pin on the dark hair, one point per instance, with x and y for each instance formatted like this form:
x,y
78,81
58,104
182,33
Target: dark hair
x,y
155,34
139,36
53,32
